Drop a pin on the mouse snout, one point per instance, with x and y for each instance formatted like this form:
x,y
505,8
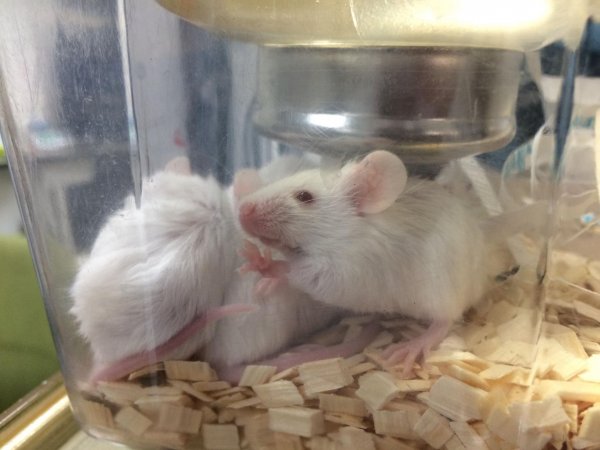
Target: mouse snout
x,y
260,219
247,215
247,209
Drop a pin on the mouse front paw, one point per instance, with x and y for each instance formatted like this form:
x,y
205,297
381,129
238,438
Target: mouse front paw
x,y
263,263
255,261
273,271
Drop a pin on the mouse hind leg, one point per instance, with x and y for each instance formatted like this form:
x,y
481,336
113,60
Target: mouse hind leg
x,y
408,352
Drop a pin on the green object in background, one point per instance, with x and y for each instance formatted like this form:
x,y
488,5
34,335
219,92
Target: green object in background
x,y
27,354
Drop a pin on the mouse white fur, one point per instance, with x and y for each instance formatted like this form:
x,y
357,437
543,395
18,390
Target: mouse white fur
x,y
370,239
153,268
285,315
158,276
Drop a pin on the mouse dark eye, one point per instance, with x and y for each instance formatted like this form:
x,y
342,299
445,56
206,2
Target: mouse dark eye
x,y
304,197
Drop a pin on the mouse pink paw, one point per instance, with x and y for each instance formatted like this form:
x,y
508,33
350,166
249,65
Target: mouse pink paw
x,y
408,352
262,263
255,261
273,271
405,353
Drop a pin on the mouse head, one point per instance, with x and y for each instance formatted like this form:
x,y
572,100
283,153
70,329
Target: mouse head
x,y
312,209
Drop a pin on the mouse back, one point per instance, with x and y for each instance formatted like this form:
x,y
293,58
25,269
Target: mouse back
x,y
154,268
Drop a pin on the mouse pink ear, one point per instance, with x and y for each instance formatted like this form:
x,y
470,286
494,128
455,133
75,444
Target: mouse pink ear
x,y
375,182
180,165
245,182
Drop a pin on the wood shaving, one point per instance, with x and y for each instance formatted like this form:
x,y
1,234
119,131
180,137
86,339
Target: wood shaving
x,y
493,384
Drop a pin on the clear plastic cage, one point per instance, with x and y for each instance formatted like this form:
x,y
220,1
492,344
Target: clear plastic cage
x,y
295,224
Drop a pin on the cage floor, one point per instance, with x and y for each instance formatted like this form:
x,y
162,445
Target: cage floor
x,y
514,375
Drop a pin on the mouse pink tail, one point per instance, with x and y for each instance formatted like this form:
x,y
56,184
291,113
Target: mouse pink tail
x,y
297,355
125,366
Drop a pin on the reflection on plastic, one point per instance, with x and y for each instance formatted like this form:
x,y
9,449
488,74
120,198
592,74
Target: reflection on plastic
x,y
513,24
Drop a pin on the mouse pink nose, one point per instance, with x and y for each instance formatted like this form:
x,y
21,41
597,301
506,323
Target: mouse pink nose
x,y
247,217
247,210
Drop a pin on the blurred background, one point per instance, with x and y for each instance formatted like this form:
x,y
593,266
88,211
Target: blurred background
x,y
27,355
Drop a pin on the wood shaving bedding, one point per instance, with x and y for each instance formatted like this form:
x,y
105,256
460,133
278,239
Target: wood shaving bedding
x,y
491,385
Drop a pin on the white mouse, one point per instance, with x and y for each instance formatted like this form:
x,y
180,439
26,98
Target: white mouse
x,y
159,277
154,268
286,315
370,239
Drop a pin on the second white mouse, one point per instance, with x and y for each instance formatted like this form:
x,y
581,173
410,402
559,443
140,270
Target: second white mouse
x,y
370,239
